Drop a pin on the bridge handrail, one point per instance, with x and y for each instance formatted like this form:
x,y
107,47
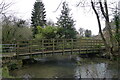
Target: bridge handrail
x,y
31,46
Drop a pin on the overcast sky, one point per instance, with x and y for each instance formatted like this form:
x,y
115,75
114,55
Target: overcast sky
x,y
84,17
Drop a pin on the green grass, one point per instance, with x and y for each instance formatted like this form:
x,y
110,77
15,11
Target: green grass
x,y
5,72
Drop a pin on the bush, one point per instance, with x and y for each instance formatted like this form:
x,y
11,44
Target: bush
x,y
49,32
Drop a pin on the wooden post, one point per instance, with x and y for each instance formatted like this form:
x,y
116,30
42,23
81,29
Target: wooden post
x,y
31,44
86,45
71,46
91,45
57,44
53,45
95,46
79,45
17,49
99,46
63,46
30,48
42,46
28,45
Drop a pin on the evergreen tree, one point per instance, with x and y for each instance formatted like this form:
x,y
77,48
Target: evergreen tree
x,y
66,22
38,16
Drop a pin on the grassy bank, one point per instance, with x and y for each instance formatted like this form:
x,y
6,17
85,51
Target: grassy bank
x,y
5,72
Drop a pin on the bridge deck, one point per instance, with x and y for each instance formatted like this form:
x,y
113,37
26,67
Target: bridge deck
x,y
83,51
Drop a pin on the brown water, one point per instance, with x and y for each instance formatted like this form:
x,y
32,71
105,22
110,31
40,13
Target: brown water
x,y
66,66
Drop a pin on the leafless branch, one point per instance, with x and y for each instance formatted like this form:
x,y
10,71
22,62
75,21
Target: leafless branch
x,y
99,23
58,6
4,6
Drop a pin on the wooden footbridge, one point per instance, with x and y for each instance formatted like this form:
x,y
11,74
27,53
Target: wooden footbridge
x,y
47,46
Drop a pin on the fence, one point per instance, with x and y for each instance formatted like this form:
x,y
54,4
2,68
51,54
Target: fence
x,y
25,47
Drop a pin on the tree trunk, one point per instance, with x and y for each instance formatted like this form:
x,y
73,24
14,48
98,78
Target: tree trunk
x,y
108,25
108,47
117,32
99,24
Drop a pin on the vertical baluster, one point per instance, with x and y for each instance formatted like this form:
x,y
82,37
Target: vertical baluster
x,y
63,45
71,46
79,45
42,46
53,45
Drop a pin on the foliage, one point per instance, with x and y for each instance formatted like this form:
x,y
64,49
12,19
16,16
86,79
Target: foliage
x,y
20,23
66,22
48,32
5,73
117,24
88,33
11,30
103,9
81,32
38,16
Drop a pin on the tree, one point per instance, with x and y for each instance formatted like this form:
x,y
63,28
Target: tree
x,y
20,23
3,10
109,43
81,32
88,33
38,16
100,8
117,29
11,30
4,6
50,23
66,22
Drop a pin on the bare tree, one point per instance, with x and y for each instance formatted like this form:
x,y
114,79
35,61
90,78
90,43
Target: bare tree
x,y
111,42
81,32
101,9
4,6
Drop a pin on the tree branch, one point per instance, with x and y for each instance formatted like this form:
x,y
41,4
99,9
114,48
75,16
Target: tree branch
x,y
4,6
58,6
99,24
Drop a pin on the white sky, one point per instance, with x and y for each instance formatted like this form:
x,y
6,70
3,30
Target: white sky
x,y
83,17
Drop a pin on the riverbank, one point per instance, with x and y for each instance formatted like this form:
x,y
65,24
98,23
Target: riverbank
x,y
67,67
55,62
5,72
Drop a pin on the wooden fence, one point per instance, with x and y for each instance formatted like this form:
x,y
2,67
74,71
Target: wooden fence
x,y
28,47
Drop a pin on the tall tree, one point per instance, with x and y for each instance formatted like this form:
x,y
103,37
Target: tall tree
x,y
111,42
14,29
66,22
81,32
38,16
117,29
88,33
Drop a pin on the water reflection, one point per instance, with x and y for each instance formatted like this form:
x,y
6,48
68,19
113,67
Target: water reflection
x,y
96,70
66,67
91,70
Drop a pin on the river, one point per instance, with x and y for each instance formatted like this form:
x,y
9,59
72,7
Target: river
x,y
68,66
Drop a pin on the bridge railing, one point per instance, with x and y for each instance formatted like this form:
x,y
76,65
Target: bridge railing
x,y
51,45
8,48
